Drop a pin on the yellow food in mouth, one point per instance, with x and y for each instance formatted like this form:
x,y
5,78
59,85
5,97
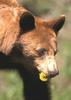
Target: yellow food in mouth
x,y
43,76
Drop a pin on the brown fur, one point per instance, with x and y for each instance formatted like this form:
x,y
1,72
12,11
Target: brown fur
x,y
27,43
9,2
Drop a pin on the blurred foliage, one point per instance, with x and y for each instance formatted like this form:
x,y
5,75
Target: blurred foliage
x,y
11,84
61,85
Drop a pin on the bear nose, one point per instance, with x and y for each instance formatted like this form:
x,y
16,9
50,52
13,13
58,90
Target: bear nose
x,y
53,73
52,67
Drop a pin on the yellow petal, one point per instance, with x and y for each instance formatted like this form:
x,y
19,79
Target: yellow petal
x,y
43,76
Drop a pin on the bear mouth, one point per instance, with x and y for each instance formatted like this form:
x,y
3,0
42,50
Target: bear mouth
x,y
48,68
45,77
47,73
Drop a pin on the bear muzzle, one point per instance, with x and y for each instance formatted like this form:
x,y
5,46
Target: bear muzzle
x,y
48,67
52,69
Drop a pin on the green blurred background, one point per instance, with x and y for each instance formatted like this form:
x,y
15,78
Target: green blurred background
x,y
10,82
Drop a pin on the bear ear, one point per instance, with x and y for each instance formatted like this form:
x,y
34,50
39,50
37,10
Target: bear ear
x,y
27,22
57,24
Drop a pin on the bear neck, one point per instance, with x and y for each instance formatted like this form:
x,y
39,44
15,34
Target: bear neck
x,y
35,89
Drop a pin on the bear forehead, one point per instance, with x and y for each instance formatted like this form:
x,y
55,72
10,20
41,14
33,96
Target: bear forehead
x,y
40,36
44,37
41,33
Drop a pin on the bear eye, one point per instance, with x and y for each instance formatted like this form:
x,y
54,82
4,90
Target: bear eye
x,y
41,51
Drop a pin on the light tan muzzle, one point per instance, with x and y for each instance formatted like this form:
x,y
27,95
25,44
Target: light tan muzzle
x,y
49,67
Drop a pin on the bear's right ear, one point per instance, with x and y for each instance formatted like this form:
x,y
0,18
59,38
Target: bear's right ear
x,y
56,24
27,22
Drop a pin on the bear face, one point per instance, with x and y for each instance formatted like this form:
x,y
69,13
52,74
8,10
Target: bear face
x,y
29,40
37,44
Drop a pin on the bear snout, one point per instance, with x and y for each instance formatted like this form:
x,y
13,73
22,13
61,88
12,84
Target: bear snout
x,y
48,66
52,67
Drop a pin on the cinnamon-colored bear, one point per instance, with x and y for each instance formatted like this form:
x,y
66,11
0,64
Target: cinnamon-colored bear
x,y
28,41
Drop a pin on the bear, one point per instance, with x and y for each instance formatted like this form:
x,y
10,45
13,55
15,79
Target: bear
x,y
28,44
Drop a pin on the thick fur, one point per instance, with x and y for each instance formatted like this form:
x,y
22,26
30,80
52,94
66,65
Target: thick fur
x,y
27,43
9,2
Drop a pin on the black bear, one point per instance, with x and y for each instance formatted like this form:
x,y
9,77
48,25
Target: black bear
x,y
28,44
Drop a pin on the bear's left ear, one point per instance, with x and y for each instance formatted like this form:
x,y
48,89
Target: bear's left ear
x,y
27,22
57,24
